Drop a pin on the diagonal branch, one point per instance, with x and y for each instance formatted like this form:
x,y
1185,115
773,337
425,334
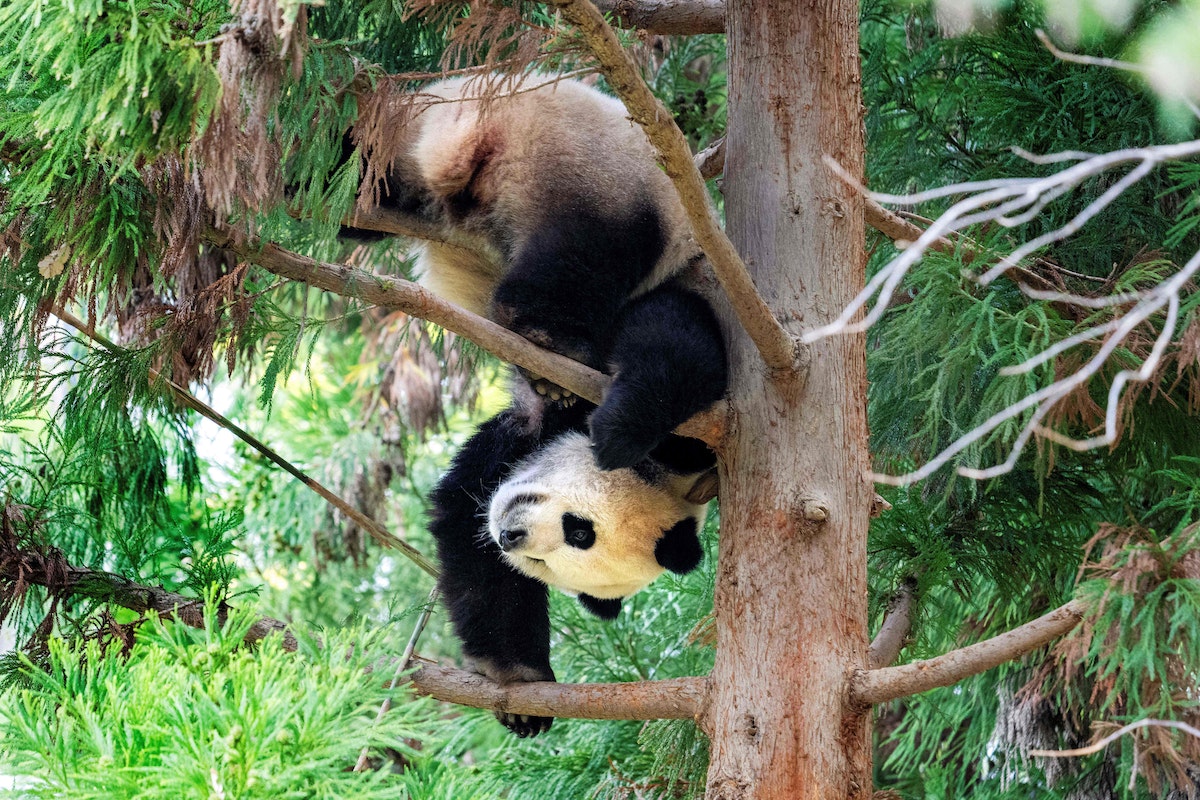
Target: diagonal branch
x,y
676,698
776,346
379,533
419,302
880,685
711,162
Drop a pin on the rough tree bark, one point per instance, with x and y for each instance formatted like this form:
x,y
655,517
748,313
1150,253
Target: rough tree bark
x,y
795,495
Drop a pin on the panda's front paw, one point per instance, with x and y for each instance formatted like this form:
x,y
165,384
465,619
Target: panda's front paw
x,y
621,439
524,725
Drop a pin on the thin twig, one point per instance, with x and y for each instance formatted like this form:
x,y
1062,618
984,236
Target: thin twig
x,y
401,666
1107,740
776,346
377,531
888,683
1109,63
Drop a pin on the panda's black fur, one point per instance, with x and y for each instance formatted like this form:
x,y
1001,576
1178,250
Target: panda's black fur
x,y
578,242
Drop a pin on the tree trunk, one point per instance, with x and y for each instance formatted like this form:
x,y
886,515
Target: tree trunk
x,y
791,593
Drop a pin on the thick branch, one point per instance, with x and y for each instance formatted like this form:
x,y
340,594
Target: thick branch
x,y
675,698
880,685
710,162
778,349
416,300
671,17
888,643
419,302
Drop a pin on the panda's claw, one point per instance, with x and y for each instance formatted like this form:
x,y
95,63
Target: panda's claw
x,y
524,725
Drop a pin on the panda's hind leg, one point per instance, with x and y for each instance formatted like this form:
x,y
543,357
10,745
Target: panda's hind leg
x,y
668,356
569,278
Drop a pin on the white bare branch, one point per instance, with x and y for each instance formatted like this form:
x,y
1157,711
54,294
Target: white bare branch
x,y
1118,733
1013,202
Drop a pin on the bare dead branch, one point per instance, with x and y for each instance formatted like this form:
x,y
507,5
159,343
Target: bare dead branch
x,y
672,17
776,346
675,698
1117,734
379,533
1012,202
880,685
887,644
1006,201
417,301
1110,63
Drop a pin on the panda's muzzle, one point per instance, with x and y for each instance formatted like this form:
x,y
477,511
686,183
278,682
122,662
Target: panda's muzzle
x,y
512,538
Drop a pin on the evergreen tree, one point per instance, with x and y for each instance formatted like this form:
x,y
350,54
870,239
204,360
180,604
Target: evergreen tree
x,y
147,150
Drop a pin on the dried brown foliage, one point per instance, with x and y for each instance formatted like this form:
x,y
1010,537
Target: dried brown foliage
x,y
19,562
489,34
237,155
182,304
1134,563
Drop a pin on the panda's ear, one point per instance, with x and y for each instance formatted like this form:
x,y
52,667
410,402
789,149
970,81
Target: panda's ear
x,y
604,609
678,549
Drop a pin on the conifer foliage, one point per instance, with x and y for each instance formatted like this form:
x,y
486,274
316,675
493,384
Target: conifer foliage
x,y
139,140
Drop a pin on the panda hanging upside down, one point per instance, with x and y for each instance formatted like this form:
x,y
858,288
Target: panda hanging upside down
x,y
587,251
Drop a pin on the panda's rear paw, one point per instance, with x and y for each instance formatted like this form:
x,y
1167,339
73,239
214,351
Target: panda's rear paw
x,y
563,398
524,725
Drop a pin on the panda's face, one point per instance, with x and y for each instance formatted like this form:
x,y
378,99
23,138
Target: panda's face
x,y
561,520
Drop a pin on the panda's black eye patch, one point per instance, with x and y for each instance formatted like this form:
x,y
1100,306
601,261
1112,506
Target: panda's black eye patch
x,y
578,532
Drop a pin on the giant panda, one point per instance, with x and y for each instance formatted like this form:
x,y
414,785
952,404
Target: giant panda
x,y
582,247
525,507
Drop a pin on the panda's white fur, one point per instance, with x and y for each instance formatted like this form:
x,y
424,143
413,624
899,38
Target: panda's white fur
x,y
500,148
628,513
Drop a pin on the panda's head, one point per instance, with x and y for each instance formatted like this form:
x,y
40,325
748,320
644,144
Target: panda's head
x,y
561,520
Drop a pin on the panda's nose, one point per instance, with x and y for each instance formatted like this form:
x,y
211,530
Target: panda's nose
x,y
510,539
